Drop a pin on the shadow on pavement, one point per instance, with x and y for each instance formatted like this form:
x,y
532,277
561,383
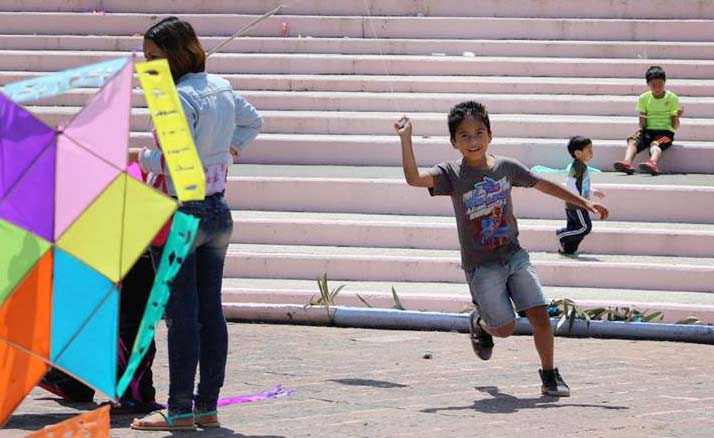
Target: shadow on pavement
x,y
502,403
369,382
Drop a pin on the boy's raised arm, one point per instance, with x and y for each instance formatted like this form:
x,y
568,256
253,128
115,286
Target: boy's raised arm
x,y
411,172
552,189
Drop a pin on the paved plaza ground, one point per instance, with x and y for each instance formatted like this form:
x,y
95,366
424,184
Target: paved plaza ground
x,y
380,383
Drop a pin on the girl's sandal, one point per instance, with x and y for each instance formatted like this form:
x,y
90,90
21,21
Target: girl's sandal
x,y
206,423
169,422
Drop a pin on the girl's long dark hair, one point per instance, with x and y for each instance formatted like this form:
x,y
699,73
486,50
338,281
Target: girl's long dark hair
x,y
177,39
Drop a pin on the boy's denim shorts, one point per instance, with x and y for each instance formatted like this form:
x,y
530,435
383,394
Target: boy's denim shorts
x,y
497,287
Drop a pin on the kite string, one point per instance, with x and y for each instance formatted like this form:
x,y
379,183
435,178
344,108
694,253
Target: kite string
x,y
370,19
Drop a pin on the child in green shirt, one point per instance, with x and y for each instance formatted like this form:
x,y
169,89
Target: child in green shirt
x,y
659,117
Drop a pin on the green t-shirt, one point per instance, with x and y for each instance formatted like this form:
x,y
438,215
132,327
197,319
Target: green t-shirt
x,y
659,111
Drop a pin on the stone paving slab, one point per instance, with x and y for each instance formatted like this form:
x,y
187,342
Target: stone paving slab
x,y
378,383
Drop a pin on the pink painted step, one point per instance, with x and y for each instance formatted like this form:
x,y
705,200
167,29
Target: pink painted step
x,y
373,150
128,24
488,8
452,47
503,125
643,239
374,64
561,272
429,124
627,203
441,84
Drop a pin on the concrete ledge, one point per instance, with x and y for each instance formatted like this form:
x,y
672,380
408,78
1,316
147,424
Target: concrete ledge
x,y
450,303
409,320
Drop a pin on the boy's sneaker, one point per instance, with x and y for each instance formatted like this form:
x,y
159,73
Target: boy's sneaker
x,y
649,167
561,248
481,341
553,384
624,166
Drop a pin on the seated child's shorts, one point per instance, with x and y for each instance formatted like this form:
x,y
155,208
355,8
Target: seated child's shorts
x,y
644,138
497,287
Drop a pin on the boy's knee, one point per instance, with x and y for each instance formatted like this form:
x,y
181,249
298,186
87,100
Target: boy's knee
x,y
504,331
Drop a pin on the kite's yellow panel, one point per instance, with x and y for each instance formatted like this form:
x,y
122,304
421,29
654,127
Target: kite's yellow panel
x,y
172,129
146,212
96,236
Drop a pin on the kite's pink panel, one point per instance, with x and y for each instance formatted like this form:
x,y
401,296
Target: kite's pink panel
x,y
134,171
103,125
81,178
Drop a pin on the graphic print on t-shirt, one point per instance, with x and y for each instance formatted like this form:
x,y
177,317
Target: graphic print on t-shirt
x,y
485,207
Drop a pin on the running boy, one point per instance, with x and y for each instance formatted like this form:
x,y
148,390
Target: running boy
x,y
579,224
497,269
659,117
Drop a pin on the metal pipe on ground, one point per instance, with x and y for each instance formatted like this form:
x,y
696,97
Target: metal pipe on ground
x,y
357,317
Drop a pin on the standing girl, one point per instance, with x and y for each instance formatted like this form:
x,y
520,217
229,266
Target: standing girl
x,y
221,123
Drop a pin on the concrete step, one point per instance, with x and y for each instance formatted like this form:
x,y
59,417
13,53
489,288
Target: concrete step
x,y
400,264
128,24
441,84
51,61
697,107
455,297
425,124
370,46
355,150
439,232
487,8
382,150
382,192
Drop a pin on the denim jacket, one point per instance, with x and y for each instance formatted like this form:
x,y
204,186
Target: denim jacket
x,y
219,119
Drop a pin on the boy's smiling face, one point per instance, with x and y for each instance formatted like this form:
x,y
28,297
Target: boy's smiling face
x,y
472,138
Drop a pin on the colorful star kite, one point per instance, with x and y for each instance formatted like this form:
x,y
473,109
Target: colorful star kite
x,y
72,224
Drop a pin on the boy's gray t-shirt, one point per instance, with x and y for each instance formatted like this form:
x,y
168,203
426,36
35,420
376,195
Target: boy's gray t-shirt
x,y
488,230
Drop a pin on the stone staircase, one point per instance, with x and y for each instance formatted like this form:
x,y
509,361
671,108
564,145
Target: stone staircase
x,y
321,189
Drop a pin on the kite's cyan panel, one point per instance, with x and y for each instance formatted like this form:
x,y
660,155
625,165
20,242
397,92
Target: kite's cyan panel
x,y
92,355
77,294
172,129
88,76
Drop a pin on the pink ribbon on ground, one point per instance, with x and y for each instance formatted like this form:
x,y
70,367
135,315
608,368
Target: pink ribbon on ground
x,y
277,392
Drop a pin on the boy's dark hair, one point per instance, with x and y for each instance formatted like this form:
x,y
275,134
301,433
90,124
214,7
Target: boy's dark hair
x,y
655,72
577,143
469,108
178,40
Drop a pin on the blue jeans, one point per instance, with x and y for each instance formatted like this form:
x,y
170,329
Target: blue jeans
x,y
197,332
496,287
